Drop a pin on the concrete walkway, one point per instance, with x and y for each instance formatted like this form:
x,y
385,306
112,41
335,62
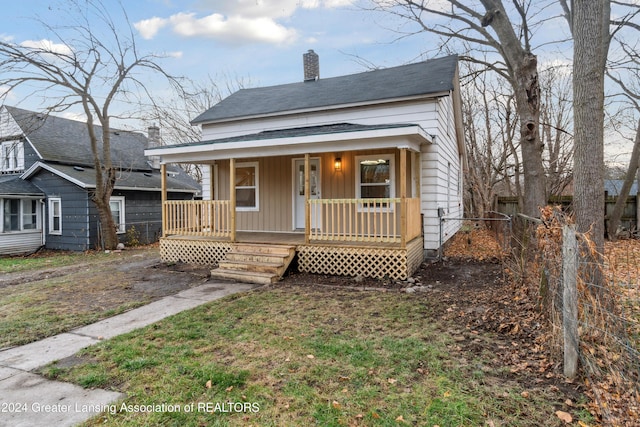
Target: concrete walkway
x,y
27,399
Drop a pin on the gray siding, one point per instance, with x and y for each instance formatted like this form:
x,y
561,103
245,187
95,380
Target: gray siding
x,y
75,209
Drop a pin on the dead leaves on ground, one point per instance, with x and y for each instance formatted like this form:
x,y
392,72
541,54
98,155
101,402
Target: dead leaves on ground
x,y
475,242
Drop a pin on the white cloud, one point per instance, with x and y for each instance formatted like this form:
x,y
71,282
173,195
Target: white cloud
x,y
148,28
175,54
238,21
233,28
47,46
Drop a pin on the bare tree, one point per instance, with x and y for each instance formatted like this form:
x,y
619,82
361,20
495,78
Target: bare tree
x,y
492,159
556,128
491,136
174,115
624,70
84,66
594,27
506,37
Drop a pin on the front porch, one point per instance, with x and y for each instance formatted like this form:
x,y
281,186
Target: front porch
x,y
357,237
354,211
354,237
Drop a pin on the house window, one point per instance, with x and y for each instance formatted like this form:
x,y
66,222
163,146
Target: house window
x,y
117,212
19,215
375,177
29,214
247,195
11,215
12,153
55,215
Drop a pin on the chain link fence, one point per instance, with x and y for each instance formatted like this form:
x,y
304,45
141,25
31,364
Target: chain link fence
x,y
138,233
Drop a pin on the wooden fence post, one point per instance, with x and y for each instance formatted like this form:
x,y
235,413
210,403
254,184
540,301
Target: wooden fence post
x,y
570,300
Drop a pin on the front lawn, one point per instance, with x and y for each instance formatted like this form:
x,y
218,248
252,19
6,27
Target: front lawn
x,y
301,355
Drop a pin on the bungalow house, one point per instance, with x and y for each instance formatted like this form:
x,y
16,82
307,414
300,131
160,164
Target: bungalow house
x,y
47,177
349,173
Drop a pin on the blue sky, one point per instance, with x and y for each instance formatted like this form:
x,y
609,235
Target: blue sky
x,y
259,40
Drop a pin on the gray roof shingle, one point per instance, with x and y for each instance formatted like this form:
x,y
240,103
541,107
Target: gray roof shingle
x,y
177,179
67,141
13,185
422,78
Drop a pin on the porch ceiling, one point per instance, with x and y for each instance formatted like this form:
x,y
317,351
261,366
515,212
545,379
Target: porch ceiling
x,y
298,141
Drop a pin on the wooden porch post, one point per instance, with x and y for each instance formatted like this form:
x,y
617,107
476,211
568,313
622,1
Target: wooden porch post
x,y
212,182
163,197
403,197
307,208
232,199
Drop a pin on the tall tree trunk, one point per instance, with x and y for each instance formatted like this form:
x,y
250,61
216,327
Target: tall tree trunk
x,y
523,71
527,92
614,219
588,98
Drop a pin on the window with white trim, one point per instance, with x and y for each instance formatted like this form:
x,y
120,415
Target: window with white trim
x,y
116,203
19,215
55,215
12,156
375,177
29,214
247,186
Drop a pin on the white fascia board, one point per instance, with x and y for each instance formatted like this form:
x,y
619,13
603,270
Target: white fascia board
x,y
40,165
33,147
169,190
410,137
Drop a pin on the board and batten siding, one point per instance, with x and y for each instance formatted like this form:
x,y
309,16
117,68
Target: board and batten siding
x,y
275,190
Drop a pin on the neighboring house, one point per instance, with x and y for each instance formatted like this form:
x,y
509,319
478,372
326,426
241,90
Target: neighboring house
x,y
47,178
612,187
352,172
21,214
631,210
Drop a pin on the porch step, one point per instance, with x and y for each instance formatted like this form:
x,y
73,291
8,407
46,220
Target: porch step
x,y
245,276
255,263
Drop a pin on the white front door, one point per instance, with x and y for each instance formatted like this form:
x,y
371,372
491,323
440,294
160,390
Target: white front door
x,y
298,189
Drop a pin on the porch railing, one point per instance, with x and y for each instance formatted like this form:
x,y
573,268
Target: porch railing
x,y
340,220
364,220
211,218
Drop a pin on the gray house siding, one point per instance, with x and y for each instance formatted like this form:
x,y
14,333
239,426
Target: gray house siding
x,y
143,211
30,155
75,206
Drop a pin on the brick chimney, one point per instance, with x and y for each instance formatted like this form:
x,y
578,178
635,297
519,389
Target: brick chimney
x,y
311,62
153,140
153,136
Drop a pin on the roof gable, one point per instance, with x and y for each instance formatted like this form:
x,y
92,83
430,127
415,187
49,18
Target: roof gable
x,y
419,79
61,140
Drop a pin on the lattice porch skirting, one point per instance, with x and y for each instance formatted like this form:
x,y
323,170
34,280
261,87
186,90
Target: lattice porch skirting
x,y
365,261
193,251
378,262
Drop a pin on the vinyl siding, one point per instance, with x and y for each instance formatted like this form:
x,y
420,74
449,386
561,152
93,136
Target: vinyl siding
x,y
21,242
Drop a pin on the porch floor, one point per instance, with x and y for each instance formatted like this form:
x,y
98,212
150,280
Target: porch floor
x,y
283,238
